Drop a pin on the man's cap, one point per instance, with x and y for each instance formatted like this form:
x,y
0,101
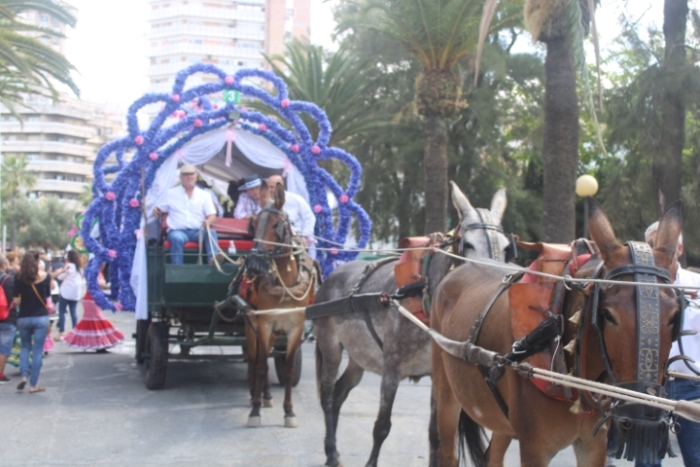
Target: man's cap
x,y
188,169
251,181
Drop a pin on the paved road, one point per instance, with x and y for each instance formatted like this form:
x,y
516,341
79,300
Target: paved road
x,y
96,411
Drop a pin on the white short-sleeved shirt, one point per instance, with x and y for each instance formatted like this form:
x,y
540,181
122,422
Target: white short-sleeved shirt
x,y
300,215
71,282
187,212
691,321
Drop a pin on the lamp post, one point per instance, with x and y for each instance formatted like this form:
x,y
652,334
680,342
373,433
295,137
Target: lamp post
x,y
586,185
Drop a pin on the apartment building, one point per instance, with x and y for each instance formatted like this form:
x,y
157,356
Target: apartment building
x,y
60,141
230,34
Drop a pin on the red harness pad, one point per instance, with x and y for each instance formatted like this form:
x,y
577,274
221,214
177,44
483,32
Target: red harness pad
x,y
408,270
530,304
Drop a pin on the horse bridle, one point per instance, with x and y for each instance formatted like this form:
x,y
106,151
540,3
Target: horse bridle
x,y
491,230
282,230
636,432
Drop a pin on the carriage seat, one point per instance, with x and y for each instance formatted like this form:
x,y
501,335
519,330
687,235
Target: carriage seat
x,y
227,229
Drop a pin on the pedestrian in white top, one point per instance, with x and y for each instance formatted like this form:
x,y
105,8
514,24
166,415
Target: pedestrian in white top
x,y
300,214
71,281
681,388
189,209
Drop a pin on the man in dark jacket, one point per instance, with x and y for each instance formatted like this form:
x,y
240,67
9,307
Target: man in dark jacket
x,y
8,326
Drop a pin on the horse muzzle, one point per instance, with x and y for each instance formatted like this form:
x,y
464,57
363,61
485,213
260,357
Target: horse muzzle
x,y
638,432
257,263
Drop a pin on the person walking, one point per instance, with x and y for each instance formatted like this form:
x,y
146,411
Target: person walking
x,y
8,324
32,288
71,280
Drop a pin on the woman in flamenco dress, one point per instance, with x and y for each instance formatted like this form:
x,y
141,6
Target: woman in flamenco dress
x,y
93,331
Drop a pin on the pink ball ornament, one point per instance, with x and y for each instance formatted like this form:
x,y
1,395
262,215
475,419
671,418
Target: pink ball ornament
x,y
112,253
181,114
138,140
118,306
198,123
334,251
285,103
262,127
228,80
344,198
153,156
110,195
134,203
315,149
295,148
176,97
318,208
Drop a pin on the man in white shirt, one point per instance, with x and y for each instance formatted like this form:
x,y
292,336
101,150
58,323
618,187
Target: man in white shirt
x,y
300,215
681,388
189,209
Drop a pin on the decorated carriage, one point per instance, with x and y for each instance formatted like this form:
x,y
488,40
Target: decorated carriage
x,y
208,126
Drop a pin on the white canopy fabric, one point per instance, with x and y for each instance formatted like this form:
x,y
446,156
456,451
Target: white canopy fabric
x,y
208,153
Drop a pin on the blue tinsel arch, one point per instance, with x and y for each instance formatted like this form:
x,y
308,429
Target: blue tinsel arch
x,y
116,205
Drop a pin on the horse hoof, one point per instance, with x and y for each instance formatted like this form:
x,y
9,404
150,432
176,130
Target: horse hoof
x,y
290,422
267,402
253,422
335,463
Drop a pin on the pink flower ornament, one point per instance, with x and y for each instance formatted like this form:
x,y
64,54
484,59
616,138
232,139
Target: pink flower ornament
x,y
315,149
198,123
262,127
138,140
175,97
228,80
285,103
134,203
153,156
295,148
344,198
112,253
111,196
334,251
317,208
118,306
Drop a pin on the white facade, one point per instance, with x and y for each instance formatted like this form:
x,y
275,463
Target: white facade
x,y
228,34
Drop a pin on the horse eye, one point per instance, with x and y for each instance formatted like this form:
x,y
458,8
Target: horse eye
x,y
468,246
608,316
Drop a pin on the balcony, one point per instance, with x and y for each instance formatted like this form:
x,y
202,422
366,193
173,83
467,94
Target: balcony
x,y
73,168
180,49
49,147
67,129
192,30
50,185
193,11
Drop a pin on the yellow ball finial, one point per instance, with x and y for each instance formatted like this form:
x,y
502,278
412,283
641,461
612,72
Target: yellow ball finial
x,y
586,185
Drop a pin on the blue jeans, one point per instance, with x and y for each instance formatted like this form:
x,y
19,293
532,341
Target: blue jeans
x,y
7,338
689,434
178,238
33,331
72,305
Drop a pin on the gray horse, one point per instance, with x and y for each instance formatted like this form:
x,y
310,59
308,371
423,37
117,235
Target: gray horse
x,y
406,348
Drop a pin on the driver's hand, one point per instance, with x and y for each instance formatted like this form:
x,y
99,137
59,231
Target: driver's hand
x,y
157,212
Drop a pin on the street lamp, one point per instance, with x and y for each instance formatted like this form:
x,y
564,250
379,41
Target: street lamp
x,y
586,185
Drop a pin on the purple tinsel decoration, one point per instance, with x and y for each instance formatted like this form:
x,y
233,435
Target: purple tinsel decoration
x,y
119,214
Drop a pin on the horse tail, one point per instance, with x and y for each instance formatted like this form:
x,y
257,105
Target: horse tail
x,y
472,438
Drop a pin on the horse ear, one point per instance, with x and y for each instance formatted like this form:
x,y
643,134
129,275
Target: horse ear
x,y
670,228
279,196
460,202
498,204
601,231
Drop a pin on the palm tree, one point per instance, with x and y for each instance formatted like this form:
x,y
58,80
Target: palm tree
x,y
439,33
15,177
27,65
334,81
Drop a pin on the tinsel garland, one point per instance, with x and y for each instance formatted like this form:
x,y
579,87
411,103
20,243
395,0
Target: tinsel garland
x,y
117,204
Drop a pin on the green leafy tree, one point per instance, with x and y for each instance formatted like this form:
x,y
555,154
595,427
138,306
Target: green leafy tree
x,y
15,178
335,81
48,222
438,34
27,65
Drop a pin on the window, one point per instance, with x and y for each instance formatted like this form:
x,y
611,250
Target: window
x,y
44,19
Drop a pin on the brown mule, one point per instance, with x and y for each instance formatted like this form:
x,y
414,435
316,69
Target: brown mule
x,y
278,276
543,425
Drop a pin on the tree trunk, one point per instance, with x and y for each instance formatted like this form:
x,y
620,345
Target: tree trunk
x,y
560,144
435,162
668,158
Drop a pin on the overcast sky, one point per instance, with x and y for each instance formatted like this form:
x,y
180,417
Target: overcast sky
x,y
109,48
